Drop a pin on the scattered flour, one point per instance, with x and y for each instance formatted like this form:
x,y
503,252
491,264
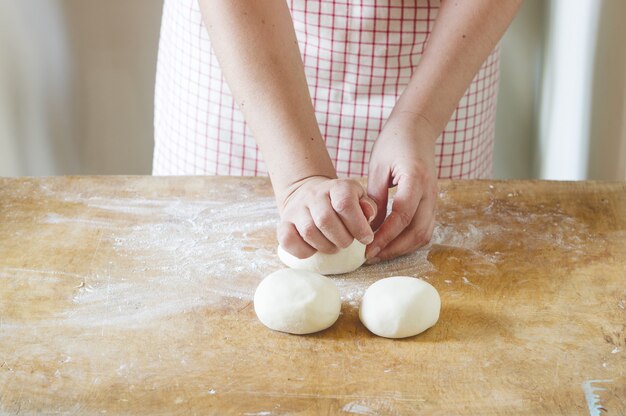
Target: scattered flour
x,y
158,257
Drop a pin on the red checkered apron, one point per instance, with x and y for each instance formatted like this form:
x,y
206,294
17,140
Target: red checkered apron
x,y
358,57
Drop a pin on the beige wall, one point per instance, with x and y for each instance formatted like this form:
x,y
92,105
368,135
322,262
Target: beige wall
x,y
520,80
114,44
76,86
35,90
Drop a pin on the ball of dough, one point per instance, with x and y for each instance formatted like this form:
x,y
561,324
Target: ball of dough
x,y
344,261
399,307
297,301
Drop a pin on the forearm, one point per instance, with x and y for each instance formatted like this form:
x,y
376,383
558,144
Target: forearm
x,y
256,46
463,36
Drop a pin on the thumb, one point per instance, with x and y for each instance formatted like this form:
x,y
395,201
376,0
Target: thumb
x,y
378,191
368,206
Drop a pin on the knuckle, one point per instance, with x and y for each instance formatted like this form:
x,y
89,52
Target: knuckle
x,y
385,239
362,233
342,204
433,191
430,230
389,254
422,237
421,171
284,234
338,187
302,252
404,217
344,242
291,242
328,249
352,184
345,183
308,230
345,186
324,220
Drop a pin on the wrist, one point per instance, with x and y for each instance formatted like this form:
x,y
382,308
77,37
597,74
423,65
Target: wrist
x,y
286,191
414,122
293,160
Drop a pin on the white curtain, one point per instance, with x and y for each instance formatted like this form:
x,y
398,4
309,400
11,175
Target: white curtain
x,y
582,132
565,112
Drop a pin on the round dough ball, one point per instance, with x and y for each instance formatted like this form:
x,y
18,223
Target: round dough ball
x,y
399,307
344,261
297,301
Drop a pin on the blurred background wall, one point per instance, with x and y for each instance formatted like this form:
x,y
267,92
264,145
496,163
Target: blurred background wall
x,y
520,86
76,86
607,152
77,80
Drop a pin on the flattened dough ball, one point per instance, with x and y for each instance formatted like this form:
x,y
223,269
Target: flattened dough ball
x,y
399,307
297,301
345,261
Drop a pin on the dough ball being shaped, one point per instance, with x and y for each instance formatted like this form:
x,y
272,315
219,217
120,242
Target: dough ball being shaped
x,y
297,301
344,261
399,307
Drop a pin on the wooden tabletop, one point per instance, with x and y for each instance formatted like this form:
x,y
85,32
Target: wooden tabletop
x,y
133,295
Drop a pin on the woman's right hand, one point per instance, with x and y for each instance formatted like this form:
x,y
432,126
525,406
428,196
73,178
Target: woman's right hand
x,y
324,214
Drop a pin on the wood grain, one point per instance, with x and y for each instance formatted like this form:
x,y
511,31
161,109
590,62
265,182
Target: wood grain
x,y
133,295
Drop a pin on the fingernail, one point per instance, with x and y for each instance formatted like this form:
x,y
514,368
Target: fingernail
x,y
368,240
373,252
372,209
373,260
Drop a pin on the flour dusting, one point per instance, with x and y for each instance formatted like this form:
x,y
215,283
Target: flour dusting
x,y
170,256
166,255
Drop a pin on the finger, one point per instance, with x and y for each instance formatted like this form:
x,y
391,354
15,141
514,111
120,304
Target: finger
x,y
407,242
368,206
378,190
403,210
415,235
345,199
292,242
313,236
330,224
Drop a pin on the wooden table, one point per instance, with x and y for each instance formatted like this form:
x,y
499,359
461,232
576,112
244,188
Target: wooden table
x,y
133,295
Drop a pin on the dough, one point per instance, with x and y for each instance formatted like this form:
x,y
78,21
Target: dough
x,y
345,261
399,307
297,301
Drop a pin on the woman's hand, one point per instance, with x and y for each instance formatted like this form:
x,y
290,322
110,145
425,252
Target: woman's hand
x,y
463,36
324,214
403,156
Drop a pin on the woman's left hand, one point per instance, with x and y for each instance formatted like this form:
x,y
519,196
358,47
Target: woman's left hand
x,y
403,156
